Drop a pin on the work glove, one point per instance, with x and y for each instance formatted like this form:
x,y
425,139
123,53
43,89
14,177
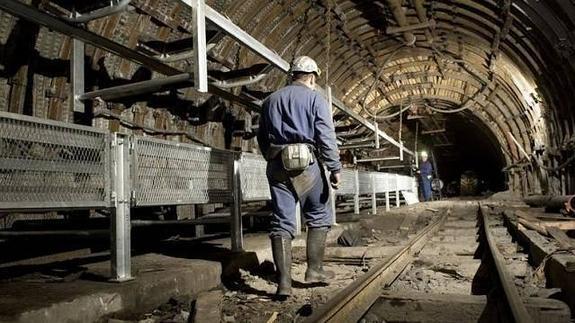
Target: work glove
x,y
335,180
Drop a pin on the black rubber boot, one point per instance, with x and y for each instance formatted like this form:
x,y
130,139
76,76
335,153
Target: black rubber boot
x,y
315,250
281,249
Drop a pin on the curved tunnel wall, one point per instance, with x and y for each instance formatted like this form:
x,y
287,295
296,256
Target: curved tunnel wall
x,y
511,66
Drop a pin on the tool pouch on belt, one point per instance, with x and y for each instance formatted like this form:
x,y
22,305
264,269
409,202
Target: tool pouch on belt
x,y
296,157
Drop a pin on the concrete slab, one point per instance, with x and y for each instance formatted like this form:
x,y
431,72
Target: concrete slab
x,y
91,297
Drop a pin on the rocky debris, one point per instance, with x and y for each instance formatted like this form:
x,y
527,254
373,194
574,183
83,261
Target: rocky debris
x,y
208,307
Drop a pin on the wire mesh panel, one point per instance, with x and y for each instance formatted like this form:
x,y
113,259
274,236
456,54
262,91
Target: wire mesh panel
x,y
365,183
50,165
347,182
167,172
254,181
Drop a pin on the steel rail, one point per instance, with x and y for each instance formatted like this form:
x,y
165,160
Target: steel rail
x,y
518,309
351,303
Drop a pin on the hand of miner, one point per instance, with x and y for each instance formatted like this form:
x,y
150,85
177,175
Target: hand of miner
x,y
335,180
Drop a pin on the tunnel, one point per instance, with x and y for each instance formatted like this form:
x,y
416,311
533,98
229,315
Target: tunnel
x,y
143,118
492,75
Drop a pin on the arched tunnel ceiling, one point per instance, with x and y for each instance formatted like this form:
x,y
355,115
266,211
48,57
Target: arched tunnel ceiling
x,y
507,63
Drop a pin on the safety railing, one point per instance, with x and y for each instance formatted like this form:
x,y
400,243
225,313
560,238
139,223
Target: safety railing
x,y
52,165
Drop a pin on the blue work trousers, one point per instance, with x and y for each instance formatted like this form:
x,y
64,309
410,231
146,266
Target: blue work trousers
x,y
314,202
426,188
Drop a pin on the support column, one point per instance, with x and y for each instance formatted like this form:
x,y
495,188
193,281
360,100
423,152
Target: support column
x,y
77,78
200,52
387,201
236,220
120,225
373,195
356,194
397,202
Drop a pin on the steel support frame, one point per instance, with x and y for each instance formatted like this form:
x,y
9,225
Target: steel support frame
x,y
397,202
236,226
200,51
77,77
356,192
373,195
121,268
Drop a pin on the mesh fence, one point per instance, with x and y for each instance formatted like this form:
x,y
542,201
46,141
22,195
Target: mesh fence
x,y
347,186
49,164
254,181
168,172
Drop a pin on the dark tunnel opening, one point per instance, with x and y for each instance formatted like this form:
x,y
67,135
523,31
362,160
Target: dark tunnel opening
x,y
473,164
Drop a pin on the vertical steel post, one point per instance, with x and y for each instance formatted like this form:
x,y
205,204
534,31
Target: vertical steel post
x,y
397,202
387,201
377,144
120,225
236,221
356,194
373,195
77,75
200,52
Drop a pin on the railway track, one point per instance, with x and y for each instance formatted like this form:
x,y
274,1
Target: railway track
x,y
457,238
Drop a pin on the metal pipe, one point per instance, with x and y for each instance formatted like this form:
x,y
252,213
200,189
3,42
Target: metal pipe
x,y
167,58
566,202
399,14
99,13
137,88
240,81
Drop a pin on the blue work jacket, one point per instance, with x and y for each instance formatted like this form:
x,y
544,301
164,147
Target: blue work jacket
x,y
297,114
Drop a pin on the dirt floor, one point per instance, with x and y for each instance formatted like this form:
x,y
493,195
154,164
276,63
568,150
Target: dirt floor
x,y
251,298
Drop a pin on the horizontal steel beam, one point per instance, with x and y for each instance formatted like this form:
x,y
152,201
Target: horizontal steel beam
x,y
354,115
244,38
356,146
433,131
378,159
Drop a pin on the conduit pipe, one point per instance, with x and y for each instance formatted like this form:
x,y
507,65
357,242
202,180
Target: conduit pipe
x,y
240,81
113,8
167,58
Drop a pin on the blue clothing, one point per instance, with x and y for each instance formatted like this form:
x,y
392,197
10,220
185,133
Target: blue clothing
x,y
426,170
313,203
297,114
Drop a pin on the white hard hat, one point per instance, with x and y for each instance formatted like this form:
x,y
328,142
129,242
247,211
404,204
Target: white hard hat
x,y
305,64
424,154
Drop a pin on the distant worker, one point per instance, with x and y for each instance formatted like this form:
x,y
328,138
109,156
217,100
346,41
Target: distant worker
x,y
425,173
297,137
